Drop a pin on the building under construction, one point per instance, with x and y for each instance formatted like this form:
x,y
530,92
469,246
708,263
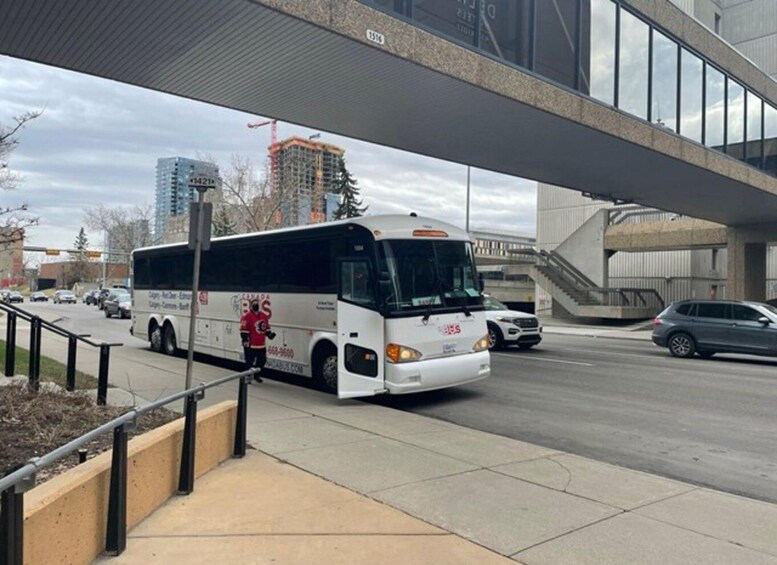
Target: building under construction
x,y
304,173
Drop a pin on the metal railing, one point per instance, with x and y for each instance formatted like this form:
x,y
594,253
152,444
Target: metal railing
x,y
637,214
37,325
585,287
16,482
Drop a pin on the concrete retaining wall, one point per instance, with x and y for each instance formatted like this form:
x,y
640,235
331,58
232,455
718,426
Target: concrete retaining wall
x,y
65,518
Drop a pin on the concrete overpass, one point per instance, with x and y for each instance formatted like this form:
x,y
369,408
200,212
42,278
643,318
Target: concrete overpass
x,y
347,67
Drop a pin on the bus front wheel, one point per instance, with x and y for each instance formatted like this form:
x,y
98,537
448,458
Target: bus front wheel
x,y
326,369
169,343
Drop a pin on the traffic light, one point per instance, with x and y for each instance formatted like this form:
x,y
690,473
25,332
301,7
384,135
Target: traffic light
x,y
52,251
94,253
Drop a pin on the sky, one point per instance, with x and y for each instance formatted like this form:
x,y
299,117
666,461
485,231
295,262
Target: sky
x,y
98,141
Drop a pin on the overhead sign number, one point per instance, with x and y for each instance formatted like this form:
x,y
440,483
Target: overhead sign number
x,y
202,181
376,37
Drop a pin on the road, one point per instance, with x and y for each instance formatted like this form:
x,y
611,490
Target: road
x,y
709,422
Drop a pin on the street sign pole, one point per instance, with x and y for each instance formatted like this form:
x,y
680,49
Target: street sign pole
x,y
202,184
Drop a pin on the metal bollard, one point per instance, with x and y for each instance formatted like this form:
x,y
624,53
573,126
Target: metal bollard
x,y
72,344
35,345
10,345
186,475
242,413
116,531
102,375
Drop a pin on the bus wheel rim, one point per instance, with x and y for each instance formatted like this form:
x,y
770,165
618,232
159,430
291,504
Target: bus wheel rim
x,y
329,371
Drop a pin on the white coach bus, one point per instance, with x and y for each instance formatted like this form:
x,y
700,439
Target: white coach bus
x,y
383,304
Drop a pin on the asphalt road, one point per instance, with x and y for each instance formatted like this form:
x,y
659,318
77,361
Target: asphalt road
x,y
709,422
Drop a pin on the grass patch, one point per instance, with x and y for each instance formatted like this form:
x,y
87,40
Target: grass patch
x,y
50,369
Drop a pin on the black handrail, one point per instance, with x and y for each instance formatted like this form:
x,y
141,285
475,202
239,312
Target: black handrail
x,y
37,324
21,479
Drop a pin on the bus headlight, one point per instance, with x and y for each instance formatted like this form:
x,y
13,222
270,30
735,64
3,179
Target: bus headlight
x,y
401,354
481,344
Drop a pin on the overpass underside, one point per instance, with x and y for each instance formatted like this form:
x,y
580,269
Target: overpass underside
x,y
312,63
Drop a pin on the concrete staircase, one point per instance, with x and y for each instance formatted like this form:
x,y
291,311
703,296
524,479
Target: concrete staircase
x,y
580,296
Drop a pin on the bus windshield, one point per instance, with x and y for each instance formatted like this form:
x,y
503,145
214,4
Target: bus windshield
x,y
426,274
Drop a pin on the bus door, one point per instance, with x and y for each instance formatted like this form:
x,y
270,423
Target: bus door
x,y
360,335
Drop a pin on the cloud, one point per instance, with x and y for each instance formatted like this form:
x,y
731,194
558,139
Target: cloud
x,y
98,141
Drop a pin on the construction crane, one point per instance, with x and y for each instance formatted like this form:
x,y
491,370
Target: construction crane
x,y
273,149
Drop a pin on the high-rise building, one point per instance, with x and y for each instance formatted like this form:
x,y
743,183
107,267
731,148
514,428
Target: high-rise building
x,y
304,173
173,193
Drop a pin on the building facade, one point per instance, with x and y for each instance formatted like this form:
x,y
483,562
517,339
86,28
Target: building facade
x,y
725,116
173,193
304,173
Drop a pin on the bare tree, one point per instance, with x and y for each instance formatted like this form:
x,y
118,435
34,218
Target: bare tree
x,y
13,219
126,227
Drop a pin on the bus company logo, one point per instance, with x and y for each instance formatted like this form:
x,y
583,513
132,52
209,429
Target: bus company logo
x,y
242,302
450,329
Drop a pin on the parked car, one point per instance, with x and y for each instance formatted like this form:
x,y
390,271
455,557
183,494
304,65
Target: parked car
x,y
118,303
510,327
4,294
64,296
707,327
38,297
15,296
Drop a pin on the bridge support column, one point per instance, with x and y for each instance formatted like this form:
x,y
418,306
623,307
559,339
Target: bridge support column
x,y
746,264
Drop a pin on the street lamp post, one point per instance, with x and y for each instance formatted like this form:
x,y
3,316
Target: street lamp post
x,y
199,239
467,221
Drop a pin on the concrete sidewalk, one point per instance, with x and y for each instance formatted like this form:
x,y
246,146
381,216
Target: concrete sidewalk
x,y
514,499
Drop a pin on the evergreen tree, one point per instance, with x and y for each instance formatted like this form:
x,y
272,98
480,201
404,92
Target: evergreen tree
x,y
351,205
78,269
222,223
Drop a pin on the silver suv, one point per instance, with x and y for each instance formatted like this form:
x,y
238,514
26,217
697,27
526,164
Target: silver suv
x,y
707,327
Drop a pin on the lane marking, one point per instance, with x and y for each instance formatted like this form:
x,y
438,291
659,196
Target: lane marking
x,y
522,358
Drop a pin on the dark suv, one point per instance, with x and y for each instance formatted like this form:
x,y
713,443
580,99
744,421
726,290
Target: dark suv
x,y
706,327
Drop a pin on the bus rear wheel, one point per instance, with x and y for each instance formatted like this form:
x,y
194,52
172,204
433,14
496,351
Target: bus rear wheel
x,y
168,342
155,338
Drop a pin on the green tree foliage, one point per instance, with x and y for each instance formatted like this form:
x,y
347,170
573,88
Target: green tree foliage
x,y
351,206
222,223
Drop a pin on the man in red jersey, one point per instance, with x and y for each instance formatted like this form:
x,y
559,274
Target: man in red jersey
x,y
254,328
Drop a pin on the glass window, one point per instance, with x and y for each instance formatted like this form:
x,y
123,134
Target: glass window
x,y
394,5
746,314
715,109
454,19
735,137
710,310
633,77
684,309
505,29
664,99
754,145
554,55
356,284
597,75
690,95
770,139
